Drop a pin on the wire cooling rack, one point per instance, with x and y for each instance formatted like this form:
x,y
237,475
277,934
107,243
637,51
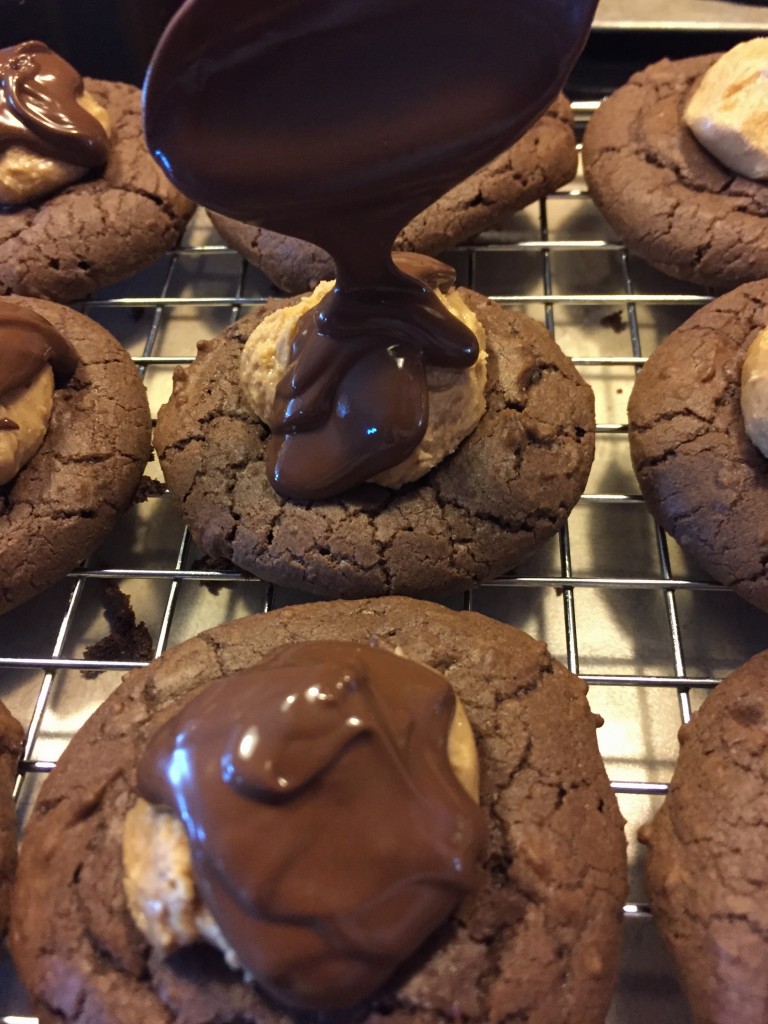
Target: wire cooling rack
x,y
613,597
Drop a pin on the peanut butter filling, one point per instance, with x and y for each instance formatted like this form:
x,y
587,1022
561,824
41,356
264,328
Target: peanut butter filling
x,y
456,395
33,357
754,392
26,176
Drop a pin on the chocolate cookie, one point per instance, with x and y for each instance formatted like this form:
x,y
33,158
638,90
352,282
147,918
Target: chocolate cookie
x,y
62,504
702,477
11,742
539,941
707,868
101,229
507,488
541,161
664,195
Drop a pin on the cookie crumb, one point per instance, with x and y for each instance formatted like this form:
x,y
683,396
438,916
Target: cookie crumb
x,y
128,639
148,488
614,321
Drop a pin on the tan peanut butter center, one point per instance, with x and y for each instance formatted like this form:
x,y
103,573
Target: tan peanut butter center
x,y
754,391
51,131
456,397
33,355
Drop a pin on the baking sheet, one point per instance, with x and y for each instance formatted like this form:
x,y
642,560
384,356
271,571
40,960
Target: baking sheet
x,y
681,14
613,598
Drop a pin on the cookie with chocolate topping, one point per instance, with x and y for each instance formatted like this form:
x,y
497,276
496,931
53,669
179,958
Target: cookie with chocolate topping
x,y
495,496
539,935
82,202
672,202
11,742
542,160
704,479
73,454
354,394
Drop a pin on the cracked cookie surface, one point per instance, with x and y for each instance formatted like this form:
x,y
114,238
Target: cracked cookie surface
x,y
538,163
539,942
11,742
664,195
702,477
103,228
508,487
63,503
707,868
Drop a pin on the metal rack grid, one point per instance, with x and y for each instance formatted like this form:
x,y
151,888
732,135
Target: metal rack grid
x,y
613,597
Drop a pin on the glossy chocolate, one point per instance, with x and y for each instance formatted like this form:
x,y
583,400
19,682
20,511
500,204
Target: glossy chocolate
x,y
39,109
27,342
329,833
337,121
354,399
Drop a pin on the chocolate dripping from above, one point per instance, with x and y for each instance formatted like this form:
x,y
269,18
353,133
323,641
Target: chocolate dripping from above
x,y
354,400
312,128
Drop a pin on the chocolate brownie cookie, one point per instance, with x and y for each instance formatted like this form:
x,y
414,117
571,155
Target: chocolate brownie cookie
x,y
707,869
61,505
702,477
103,228
539,940
507,488
541,161
664,195
11,742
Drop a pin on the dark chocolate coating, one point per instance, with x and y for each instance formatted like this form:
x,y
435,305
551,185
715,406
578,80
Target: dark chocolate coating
x,y
27,343
328,124
403,133
329,833
541,161
39,109
539,941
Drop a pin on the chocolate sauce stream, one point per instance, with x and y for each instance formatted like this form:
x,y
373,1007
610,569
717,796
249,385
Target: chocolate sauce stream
x,y
39,108
313,128
27,342
329,833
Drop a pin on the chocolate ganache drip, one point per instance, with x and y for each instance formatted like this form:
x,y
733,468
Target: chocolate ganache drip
x,y
39,108
27,342
354,400
313,128
329,833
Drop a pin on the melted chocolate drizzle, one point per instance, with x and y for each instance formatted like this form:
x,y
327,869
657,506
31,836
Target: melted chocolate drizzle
x,y
297,781
39,109
312,128
354,400
27,342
